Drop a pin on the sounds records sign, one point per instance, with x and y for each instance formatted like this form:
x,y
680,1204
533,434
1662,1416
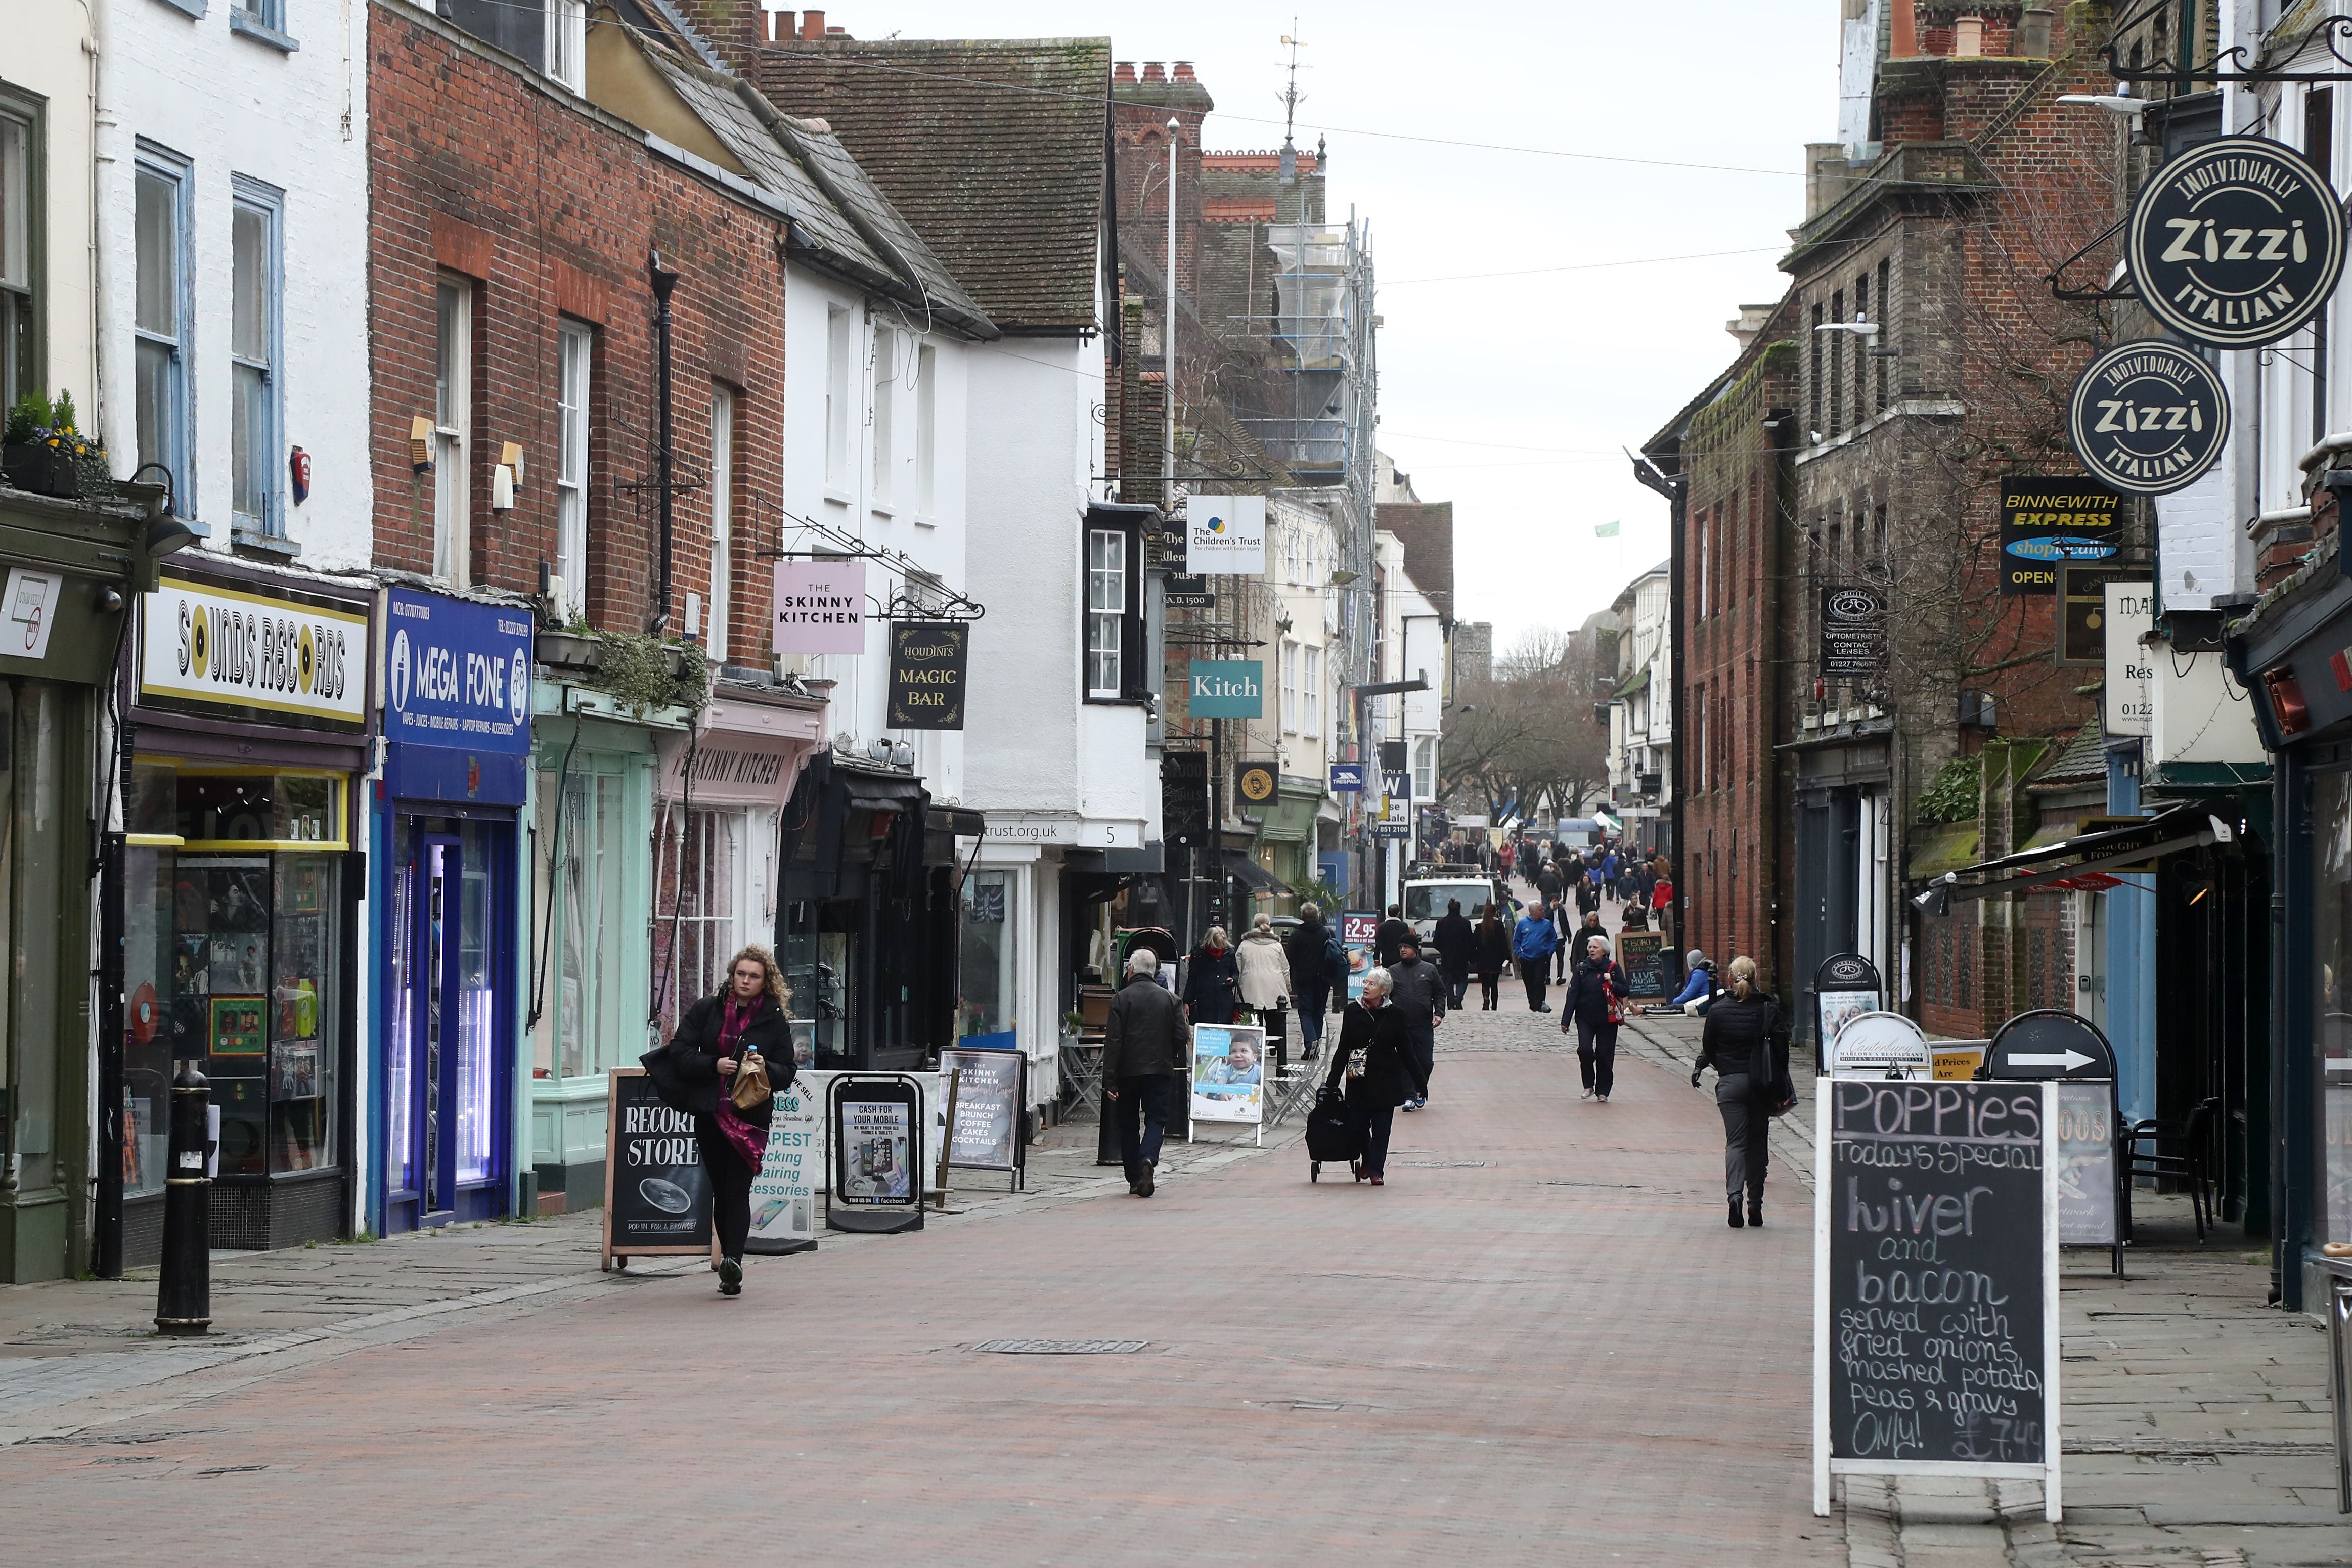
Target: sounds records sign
x,y
228,648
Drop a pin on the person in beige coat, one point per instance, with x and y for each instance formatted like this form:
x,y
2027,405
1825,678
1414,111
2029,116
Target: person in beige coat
x,y
1265,970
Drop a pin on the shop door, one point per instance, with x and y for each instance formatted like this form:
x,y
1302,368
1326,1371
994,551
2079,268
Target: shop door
x,y
445,1082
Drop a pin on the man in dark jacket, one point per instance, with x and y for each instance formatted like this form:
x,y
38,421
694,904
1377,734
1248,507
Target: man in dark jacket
x,y
1418,991
1317,961
1145,1045
1455,941
1393,930
1547,881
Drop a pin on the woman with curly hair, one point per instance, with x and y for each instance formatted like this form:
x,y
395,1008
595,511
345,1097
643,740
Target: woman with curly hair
x,y
741,1024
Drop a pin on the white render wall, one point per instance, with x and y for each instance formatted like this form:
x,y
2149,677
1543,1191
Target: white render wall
x,y
846,503
233,105
1302,548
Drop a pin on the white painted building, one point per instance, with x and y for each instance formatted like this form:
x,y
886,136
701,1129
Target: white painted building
x,y
231,267
1640,709
1411,646
1302,552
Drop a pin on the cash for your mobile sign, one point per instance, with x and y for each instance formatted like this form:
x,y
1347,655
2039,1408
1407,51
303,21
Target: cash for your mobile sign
x,y
2048,523
1228,1069
2235,243
1935,1331
2147,417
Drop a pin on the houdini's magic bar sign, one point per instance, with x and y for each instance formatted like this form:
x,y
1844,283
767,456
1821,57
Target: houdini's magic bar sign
x,y
926,669
231,648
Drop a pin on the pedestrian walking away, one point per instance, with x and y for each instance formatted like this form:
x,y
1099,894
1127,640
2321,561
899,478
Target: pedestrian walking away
x,y
1548,885
1212,983
1265,974
1393,930
737,1029
1596,1003
1145,1047
1562,919
1318,963
1417,992
1491,957
1747,1043
1533,941
1373,1066
1456,945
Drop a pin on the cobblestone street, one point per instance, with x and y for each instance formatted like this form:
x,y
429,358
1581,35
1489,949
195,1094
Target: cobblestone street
x,y
1539,1345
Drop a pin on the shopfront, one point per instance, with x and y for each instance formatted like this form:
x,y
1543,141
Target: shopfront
x,y
67,570
1286,845
248,725
721,794
456,726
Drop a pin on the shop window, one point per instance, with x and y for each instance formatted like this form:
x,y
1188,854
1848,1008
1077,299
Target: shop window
x,y
820,957
991,942
161,321
2331,974
20,251
256,400
574,357
700,919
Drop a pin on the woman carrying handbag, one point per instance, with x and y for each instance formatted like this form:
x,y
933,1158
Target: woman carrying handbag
x,y
715,1069
1596,1004
1747,1043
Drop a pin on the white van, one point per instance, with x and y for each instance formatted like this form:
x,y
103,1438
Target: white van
x,y
1426,895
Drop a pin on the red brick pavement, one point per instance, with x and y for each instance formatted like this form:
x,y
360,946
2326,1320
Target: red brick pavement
x,y
1553,1352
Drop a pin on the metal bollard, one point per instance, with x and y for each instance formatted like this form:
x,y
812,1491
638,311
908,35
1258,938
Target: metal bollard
x,y
183,1300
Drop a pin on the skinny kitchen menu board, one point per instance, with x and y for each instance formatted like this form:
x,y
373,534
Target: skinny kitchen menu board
x,y
1936,1328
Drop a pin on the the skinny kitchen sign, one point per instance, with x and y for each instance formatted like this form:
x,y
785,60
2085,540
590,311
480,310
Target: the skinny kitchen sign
x,y
820,607
926,670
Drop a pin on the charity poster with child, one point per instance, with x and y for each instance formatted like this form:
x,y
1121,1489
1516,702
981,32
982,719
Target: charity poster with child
x,y
1228,1072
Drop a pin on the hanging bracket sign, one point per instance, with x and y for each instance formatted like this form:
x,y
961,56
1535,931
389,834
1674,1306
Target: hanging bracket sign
x,y
2235,243
2148,417
927,671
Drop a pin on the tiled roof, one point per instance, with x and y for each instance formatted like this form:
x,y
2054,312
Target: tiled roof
x,y
2084,759
838,215
992,148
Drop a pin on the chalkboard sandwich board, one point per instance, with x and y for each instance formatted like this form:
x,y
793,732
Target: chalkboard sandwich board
x,y
657,1194
1936,1330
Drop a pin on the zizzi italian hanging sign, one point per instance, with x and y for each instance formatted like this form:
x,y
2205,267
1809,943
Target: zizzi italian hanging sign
x,y
2235,243
2148,417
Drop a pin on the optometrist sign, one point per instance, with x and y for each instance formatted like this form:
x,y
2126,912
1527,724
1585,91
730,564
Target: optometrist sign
x,y
2235,243
238,648
2148,418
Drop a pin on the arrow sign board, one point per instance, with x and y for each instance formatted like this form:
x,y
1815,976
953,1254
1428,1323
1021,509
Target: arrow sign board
x,y
2049,1044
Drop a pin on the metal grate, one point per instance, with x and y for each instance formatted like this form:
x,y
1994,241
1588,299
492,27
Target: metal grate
x,y
1062,1346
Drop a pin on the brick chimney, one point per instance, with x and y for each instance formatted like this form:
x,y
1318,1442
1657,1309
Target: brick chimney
x,y
1124,70
812,25
1155,70
1184,71
1903,43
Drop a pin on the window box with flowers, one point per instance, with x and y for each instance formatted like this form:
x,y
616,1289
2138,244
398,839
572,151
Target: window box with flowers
x,y
42,452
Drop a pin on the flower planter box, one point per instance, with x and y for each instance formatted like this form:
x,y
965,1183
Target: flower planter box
x,y
40,468
566,650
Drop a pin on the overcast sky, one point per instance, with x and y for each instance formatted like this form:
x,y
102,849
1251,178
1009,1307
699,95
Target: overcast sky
x,y
1510,396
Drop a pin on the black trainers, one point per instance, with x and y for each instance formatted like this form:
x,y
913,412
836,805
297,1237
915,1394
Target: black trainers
x,y
1144,1187
1736,1221
730,1277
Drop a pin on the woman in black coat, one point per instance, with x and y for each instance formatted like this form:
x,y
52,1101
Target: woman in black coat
x,y
1213,983
1490,957
1390,1074
741,1023
1599,981
1456,943
1747,1043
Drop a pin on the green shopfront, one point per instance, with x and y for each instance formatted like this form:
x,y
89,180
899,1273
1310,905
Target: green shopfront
x,y
1286,842
70,568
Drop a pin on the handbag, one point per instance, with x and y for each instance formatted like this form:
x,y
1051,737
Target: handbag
x,y
1616,1008
750,1083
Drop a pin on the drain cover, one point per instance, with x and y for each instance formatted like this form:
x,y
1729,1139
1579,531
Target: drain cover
x,y
1062,1346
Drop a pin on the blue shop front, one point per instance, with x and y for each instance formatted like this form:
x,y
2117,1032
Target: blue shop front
x,y
447,851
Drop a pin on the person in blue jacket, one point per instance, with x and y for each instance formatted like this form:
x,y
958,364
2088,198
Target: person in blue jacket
x,y
1699,989
1533,941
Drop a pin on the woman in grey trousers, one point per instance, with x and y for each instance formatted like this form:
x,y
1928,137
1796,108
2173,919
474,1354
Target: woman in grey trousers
x,y
1747,1043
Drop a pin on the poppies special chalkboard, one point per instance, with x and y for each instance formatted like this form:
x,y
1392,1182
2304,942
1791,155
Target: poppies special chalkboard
x,y
657,1194
1937,1331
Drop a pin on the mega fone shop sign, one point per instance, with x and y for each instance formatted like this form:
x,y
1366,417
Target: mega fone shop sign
x,y
1853,632
1225,536
2149,418
457,698
2235,243
820,607
230,648
926,669
2049,523
1228,688
1936,1333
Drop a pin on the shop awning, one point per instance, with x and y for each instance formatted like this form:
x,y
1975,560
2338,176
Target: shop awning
x,y
2167,832
1253,877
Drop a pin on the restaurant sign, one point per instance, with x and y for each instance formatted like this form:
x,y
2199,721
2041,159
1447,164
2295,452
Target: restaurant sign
x,y
2148,417
2235,243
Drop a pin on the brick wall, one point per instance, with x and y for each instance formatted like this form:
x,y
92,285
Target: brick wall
x,y
549,210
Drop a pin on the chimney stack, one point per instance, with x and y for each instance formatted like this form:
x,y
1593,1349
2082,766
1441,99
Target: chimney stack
x,y
1155,70
812,25
783,26
1124,70
1903,43
1184,71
